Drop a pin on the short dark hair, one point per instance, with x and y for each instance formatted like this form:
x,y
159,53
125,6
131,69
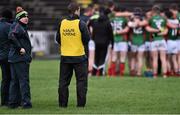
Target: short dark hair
x,y
6,13
168,14
138,11
119,8
72,7
156,8
173,7
110,3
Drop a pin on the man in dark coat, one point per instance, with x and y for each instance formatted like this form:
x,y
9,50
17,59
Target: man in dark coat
x,y
5,23
20,58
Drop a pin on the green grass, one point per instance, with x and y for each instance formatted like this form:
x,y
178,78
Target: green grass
x,y
105,95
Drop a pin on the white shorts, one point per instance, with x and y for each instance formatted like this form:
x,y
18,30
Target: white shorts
x,y
159,45
178,44
91,45
172,47
147,46
135,48
120,46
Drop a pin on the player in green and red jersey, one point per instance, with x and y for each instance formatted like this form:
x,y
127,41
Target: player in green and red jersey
x,y
157,26
137,25
148,40
172,46
174,9
120,30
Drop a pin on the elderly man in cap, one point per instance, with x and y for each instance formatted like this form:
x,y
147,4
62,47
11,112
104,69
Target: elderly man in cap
x,y
20,58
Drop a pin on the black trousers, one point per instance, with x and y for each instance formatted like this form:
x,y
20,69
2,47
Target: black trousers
x,y
66,72
19,86
5,83
100,55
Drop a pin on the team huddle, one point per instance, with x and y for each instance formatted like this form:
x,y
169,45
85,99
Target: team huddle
x,y
137,37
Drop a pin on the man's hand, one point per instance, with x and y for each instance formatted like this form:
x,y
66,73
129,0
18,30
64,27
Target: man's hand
x,y
22,51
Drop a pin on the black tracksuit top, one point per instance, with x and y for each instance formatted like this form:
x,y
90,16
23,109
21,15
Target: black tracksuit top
x,y
4,41
19,38
102,31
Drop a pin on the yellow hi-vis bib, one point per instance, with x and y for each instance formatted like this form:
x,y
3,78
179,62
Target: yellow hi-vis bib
x,y
71,41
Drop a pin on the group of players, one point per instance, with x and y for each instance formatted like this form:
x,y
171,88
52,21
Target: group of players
x,y
140,37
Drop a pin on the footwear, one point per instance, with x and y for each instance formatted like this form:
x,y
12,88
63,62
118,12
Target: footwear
x,y
98,73
94,72
148,74
132,73
171,73
155,77
81,105
164,76
4,104
27,106
139,75
178,73
63,105
13,106
89,73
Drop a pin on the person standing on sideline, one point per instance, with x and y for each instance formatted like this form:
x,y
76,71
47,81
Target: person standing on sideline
x,y
5,23
102,35
20,58
73,38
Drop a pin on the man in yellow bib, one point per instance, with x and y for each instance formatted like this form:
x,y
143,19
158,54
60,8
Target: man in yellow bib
x,y
73,38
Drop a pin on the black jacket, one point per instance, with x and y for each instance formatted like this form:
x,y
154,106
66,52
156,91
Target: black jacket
x,y
19,38
102,31
4,41
85,40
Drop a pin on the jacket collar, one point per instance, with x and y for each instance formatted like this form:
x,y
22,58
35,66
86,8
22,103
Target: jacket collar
x,y
73,17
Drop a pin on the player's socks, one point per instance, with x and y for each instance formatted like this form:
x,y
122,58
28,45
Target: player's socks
x,y
94,71
109,71
132,73
122,68
112,69
155,75
168,73
172,73
98,73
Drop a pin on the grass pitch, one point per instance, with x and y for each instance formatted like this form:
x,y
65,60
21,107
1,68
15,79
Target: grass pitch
x,y
105,95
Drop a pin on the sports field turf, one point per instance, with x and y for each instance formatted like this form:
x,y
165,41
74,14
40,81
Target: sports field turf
x,y
105,95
